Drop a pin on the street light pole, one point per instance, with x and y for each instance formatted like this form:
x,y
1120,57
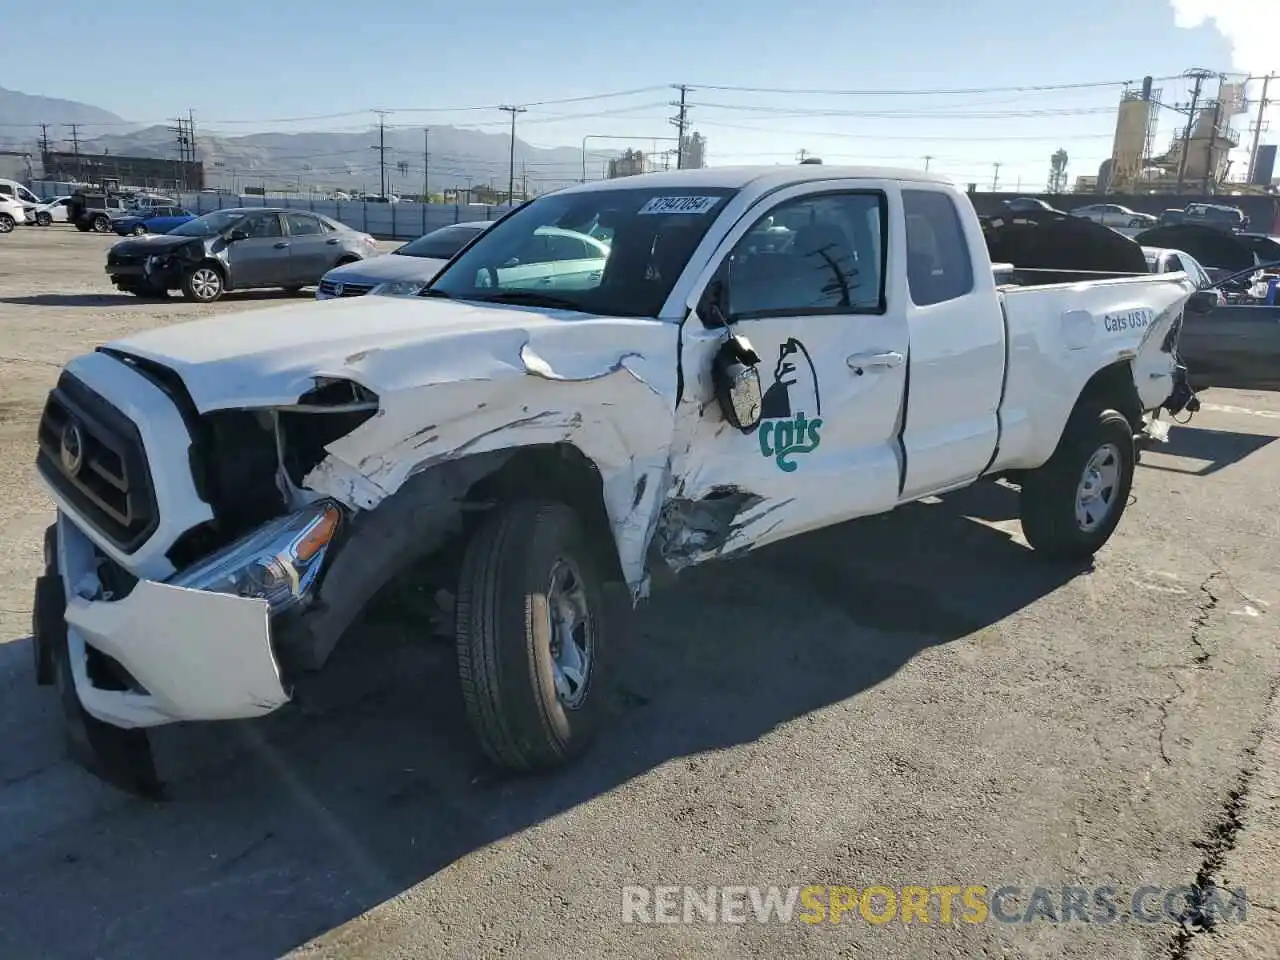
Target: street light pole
x,y
511,180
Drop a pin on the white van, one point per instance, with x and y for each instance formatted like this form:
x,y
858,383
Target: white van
x,y
13,190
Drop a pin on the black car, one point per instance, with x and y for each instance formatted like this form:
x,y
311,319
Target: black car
x,y
241,248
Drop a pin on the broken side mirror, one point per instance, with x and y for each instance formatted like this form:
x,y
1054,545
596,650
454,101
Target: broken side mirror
x,y
736,376
1203,301
239,233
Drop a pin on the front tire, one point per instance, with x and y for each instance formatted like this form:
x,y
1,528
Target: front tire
x,y
139,230
43,220
1071,505
6,223
531,620
202,284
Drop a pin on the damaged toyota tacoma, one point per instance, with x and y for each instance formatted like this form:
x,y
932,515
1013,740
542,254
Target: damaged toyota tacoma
x,y
753,353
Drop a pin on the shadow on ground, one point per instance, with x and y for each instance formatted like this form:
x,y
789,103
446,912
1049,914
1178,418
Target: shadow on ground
x,y
100,300
1214,449
280,830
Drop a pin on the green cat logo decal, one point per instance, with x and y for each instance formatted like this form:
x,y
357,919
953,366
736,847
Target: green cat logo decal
x,y
791,410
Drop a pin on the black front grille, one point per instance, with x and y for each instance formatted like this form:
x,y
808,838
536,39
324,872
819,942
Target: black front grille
x,y
123,259
330,288
92,454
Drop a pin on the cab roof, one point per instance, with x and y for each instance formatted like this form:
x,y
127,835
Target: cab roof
x,y
735,178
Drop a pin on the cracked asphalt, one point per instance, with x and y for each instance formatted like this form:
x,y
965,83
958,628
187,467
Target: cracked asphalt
x,y
912,699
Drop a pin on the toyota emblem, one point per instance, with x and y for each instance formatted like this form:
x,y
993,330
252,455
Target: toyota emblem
x,y
72,451
337,289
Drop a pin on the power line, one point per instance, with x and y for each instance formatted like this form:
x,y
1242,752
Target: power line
x,y
955,91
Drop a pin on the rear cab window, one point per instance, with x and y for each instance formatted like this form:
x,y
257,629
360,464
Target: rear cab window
x,y
939,261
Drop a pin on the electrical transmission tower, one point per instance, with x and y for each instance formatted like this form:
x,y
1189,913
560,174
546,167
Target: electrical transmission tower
x,y
381,147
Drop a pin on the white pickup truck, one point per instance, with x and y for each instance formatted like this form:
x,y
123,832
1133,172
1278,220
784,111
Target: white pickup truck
x,y
761,352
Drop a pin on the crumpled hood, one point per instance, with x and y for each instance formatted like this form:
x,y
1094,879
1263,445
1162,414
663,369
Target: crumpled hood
x,y
262,358
389,266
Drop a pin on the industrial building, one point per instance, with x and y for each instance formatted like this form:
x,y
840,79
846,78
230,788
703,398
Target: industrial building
x,y
136,172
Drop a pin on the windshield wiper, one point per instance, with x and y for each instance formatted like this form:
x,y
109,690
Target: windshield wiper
x,y
531,298
440,294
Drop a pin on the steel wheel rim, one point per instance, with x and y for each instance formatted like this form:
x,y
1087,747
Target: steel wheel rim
x,y
572,634
205,283
1099,484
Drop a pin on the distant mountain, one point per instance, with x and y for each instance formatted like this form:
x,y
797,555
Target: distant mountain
x,y
25,110
322,160
458,157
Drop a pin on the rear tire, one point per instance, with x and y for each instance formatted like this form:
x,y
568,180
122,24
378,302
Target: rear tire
x,y
1072,504
100,224
531,634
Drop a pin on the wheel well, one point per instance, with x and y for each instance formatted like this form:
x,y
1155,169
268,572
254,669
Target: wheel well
x,y
1113,387
557,471
347,259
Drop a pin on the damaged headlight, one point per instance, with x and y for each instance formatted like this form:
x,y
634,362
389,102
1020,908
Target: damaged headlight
x,y
398,288
278,563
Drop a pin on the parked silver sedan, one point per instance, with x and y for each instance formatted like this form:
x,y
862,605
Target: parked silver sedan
x,y
1114,215
240,248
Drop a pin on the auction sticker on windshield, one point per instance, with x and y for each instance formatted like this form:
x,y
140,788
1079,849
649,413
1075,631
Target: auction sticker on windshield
x,y
696,205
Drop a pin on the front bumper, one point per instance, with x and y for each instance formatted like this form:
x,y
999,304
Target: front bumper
x,y
155,272
190,654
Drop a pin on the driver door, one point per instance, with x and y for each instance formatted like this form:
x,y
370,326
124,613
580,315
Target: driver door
x,y
804,276
262,258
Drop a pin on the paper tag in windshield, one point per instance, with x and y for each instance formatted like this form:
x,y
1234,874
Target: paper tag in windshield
x,y
696,205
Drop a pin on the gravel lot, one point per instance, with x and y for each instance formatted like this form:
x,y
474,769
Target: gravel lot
x,y
912,699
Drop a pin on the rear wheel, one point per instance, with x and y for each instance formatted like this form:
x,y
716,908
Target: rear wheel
x,y
203,284
1135,222
1072,504
6,223
101,224
531,635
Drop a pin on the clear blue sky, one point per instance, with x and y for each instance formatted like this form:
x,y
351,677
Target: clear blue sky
x,y
241,66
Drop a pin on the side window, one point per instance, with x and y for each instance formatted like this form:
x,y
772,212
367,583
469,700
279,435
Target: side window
x,y
263,226
1176,265
6,190
818,254
567,248
939,264
300,225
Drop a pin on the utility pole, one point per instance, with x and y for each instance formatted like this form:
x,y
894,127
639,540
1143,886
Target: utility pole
x,y
426,164
1213,142
1257,127
44,139
75,138
524,181
681,121
927,158
511,175
1199,76
802,154
381,147
995,178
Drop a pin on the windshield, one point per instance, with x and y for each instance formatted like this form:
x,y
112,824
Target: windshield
x,y
209,224
441,244
614,252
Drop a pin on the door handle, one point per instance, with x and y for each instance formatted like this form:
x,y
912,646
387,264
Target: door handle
x,y
281,245
333,242
859,362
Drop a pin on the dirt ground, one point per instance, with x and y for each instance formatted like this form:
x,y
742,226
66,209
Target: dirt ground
x,y
913,699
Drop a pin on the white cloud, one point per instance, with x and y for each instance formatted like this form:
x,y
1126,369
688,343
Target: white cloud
x,y
1252,27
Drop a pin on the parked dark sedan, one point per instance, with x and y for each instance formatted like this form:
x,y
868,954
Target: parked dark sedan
x,y
241,248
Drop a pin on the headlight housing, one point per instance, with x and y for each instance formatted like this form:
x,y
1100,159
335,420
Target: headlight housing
x,y
278,563
398,288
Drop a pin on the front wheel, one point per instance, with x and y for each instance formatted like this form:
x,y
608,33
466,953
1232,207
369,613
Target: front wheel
x,y
1135,223
531,635
203,284
43,220
139,230
6,223
1072,504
